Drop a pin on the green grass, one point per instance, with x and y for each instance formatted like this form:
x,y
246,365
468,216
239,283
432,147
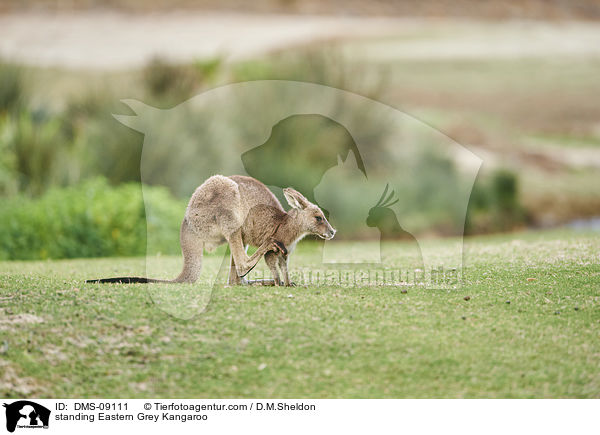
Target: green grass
x,y
62,338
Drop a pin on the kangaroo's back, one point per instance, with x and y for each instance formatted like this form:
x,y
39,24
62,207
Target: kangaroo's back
x,y
253,193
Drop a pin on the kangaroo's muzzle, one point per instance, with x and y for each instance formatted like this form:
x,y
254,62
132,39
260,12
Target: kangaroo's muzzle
x,y
328,235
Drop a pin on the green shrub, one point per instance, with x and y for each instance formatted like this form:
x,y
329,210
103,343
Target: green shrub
x,y
11,87
169,84
494,204
89,220
41,153
164,220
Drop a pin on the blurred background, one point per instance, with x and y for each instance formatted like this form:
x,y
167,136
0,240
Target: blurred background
x,y
515,82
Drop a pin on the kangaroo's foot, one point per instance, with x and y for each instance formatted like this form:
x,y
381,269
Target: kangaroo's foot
x,y
263,282
234,282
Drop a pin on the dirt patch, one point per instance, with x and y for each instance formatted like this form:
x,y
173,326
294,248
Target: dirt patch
x,y
112,40
12,384
19,319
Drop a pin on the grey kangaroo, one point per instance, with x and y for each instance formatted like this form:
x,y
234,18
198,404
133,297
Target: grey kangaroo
x,y
242,211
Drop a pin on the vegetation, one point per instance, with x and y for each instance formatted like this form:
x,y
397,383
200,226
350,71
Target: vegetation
x,y
528,178
495,204
523,325
47,146
89,220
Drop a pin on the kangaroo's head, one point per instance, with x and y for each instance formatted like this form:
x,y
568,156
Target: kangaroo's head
x,y
307,215
381,213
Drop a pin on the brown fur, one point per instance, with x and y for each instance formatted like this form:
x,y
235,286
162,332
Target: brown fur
x,y
242,211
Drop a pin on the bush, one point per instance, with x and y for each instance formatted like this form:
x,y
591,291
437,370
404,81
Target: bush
x,y
494,204
90,220
35,153
11,87
170,84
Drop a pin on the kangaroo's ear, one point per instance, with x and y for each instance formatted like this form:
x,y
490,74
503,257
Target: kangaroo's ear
x,y
295,199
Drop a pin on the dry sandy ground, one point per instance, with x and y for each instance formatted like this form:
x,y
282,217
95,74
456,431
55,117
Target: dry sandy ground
x,y
116,40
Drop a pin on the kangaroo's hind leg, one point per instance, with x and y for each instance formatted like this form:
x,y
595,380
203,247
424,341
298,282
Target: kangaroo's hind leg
x,y
234,279
283,266
271,260
243,263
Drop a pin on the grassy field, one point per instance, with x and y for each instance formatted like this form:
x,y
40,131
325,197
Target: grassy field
x,y
525,324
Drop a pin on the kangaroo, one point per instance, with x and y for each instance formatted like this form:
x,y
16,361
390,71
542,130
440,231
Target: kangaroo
x,y
242,211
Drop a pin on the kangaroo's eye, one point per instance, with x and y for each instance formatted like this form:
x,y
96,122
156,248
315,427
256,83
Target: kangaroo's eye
x,y
318,218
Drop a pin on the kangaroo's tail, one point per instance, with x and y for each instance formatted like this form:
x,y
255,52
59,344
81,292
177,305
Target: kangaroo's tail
x,y
127,280
192,249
